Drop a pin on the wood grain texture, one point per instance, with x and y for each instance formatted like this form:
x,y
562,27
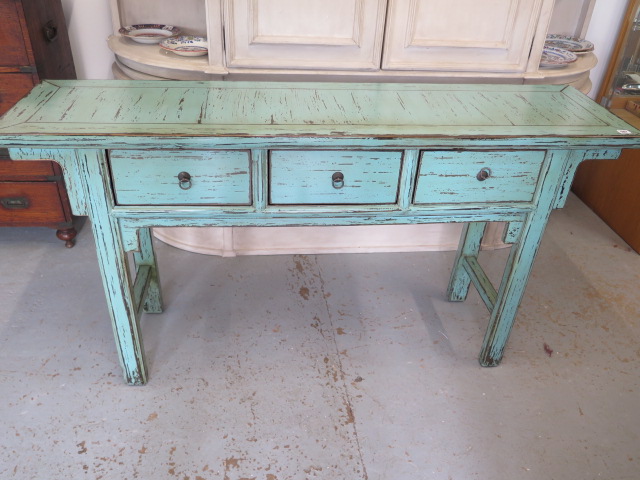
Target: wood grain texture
x,y
17,171
612,190
49,38
41,204
116,113
14,87
151,178
470,241
452,177
16,50
35,45
300,177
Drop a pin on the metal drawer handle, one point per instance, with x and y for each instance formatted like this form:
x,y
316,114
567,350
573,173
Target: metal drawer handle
x,y
184,180
483,174
15,203
337,180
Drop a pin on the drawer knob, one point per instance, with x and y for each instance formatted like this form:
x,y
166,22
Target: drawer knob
x,y
483,174
184,180
337,180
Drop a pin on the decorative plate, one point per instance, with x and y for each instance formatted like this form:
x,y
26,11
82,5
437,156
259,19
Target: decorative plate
x,y
556,57
186,45
572,44
632,87
149,32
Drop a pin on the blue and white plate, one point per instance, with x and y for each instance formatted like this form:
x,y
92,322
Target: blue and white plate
x,y
566,42
556,57
186,45
149,32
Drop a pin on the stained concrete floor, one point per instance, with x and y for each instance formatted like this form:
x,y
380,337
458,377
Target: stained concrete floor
x,y
323,367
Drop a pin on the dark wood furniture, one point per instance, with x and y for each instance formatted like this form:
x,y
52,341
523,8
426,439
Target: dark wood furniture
x,y
34,46
612,189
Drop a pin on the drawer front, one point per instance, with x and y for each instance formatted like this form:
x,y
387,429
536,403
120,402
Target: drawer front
x,y
326,177
478,177
13,86
30,203
175,177
14,51
22,171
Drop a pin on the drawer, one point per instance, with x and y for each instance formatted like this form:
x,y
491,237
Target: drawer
x,y
24,171
455,177
325,177
176,177
14,51
30,203
13,86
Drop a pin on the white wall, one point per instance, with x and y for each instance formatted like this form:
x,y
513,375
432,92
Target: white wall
x,y
603,32
89,23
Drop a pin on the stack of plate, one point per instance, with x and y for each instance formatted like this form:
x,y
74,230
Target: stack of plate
x,y
168,38
149,33
561,50
186,45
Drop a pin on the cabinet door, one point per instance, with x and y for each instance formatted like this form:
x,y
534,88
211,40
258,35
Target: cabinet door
x,y
305,34
463,35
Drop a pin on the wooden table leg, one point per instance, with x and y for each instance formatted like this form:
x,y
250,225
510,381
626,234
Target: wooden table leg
x,y
114,266
146,256
520,262
470,240
512,289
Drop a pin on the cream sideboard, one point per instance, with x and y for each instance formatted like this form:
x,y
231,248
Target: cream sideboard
x,y
465,41
499,40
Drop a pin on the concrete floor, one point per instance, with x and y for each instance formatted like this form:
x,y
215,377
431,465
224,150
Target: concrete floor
x,y
323,367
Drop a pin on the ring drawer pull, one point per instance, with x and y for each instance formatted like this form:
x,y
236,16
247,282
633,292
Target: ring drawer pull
x,y
337,180
483,174
184,180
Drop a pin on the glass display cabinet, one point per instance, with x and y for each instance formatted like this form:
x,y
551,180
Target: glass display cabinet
x,y
623,85
612,189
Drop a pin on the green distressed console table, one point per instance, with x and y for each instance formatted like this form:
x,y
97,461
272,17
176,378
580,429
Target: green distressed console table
x,y
142,154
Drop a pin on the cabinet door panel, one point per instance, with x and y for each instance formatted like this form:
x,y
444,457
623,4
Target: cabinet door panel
x,y
492,35
305,34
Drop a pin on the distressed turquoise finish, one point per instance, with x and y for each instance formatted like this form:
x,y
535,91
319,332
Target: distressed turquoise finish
x,y
305,177
266,154
150,177
451,177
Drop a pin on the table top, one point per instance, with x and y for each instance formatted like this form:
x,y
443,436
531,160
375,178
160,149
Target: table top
x,y
110,113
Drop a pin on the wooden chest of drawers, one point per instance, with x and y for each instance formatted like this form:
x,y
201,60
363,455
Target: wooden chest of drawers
x,y
34,46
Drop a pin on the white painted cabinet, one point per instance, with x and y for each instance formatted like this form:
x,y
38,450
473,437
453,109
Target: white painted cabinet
x,y
463,35
357,39
304,34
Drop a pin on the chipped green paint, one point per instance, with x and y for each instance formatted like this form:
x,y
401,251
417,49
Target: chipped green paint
x,y
278,154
